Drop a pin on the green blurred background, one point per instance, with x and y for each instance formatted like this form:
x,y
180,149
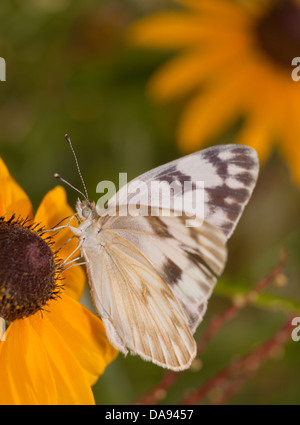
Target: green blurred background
x,y
70,70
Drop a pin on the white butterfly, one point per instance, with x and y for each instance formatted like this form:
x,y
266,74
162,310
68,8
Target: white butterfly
x,y
151,275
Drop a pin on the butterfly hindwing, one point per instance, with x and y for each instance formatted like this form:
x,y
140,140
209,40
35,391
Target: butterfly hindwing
x,y
151,282
187,259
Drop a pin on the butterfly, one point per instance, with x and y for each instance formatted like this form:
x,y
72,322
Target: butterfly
x,y
150,273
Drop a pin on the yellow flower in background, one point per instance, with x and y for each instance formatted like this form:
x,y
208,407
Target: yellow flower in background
x,y
54,348
236,61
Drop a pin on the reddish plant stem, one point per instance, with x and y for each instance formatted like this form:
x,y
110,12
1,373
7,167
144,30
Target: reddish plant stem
x,y
231,311
214,326
242,367
157,393
231,389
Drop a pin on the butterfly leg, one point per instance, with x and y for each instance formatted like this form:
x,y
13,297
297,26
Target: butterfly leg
x,y
75,230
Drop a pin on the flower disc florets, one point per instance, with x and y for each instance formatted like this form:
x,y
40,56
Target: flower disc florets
x,y
278,32
28,270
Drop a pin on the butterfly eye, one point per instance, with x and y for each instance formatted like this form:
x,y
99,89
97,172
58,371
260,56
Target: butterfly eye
x,y
86,212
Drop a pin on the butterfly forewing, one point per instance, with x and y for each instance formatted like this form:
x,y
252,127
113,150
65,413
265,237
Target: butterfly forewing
x,y
228,172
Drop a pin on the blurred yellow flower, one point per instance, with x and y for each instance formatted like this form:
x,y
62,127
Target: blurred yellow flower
x,y
236,61
54,348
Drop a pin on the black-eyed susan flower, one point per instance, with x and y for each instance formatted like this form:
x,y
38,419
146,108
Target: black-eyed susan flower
x,y
54,348
236,61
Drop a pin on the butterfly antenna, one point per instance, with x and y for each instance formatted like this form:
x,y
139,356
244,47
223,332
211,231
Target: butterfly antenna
x,y
58,177
78,168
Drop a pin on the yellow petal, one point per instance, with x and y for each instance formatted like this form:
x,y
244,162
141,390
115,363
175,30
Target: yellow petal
x,y
84,334
2,209
183,74
72,386
289,146
228,11
208,114
257,134
13,198
166,30
266,115
171,30
53,358
25,373
52,210
74,280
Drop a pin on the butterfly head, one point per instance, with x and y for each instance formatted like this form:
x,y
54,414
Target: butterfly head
x,y
86,210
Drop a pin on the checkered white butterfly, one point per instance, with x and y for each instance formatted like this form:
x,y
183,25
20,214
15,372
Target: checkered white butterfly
x,y
150,275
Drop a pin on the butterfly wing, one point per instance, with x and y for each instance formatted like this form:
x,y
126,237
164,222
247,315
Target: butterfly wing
x,y
151,277
150,274
229,174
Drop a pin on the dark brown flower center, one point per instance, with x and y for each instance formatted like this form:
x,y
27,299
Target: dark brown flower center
x,y
28,270
278,32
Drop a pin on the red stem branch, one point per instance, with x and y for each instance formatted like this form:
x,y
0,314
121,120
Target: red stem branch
x,y
244,366
159,392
